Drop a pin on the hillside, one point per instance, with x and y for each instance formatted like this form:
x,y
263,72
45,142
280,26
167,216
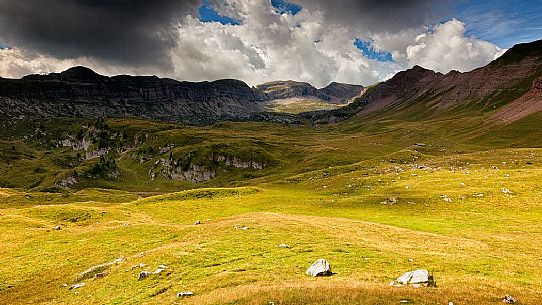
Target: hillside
x,y
420,94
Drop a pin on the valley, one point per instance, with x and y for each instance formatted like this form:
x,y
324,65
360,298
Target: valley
x,y
233,200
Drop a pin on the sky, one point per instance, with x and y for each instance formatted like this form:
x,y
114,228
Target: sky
x,y
317,41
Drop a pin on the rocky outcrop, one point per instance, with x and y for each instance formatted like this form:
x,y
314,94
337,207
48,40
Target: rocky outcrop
x,y
172,170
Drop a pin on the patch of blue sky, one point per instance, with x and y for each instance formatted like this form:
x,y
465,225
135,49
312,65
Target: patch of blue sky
x,y
502,22
286,7
369,51
207,13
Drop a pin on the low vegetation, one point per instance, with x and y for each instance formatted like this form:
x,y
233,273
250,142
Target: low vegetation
x,y
375,200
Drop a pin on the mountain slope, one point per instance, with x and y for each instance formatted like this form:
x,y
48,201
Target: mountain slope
x,y
419,93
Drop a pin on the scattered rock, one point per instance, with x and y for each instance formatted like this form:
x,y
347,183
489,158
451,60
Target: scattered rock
x,y
410,260
57,228
198,222
508,299
93,271
143,275
284,246
320,267
76,286
99,275
160,269
417,278
446,198
141,265
185,294
238,227
506,191
390,201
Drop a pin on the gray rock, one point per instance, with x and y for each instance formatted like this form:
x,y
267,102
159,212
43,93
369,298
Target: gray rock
x,y
198,222
508,299
185,294
76,286
93,271
143,275
284,246
416,278
320,267
57,228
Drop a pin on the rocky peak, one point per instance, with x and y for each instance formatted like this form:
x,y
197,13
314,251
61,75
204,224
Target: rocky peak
x,y
77,74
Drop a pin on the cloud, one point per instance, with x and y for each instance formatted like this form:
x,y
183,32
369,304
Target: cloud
x,y
270,46
446,48
120,31
314,45
380,16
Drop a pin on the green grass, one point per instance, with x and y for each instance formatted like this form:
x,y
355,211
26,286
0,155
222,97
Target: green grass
x,y
322,194
479,248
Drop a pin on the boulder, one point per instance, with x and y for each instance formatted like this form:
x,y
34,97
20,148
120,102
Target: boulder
x,y
143,275
284,246
320,267
57,228
508,299
416,278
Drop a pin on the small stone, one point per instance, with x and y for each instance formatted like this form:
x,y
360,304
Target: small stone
x,y
143,275
508,299
99,275
198,222
158,270
446,198
185,294
320,267
506,191
284,246
57,228
450,303
410,260
76,286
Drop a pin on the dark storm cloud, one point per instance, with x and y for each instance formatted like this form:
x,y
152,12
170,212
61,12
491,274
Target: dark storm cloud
x,y
129,32
381,15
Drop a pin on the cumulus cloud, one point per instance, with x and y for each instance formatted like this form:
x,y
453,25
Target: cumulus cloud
x,y
446,48
315,45
270,46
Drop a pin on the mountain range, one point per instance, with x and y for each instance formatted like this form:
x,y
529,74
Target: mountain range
x,y
509,87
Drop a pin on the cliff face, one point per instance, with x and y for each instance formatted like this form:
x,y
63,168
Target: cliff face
x,y
336,93
81,92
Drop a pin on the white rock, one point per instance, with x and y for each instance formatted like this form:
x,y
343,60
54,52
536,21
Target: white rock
x,y
416,277
285,246
57,228
185,294
76,286
319,268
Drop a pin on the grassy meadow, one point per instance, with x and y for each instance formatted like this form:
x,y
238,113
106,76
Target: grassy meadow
x,y
367,197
